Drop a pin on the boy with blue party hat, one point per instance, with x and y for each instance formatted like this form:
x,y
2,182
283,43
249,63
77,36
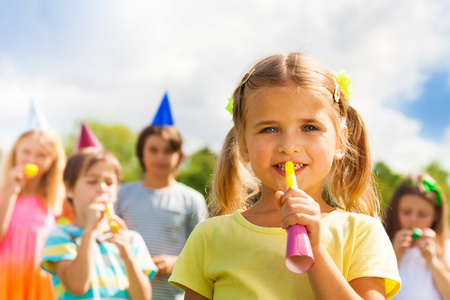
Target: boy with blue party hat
x,y
148,206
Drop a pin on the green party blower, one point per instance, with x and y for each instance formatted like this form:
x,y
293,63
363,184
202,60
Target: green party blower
x,y
416,233
299,255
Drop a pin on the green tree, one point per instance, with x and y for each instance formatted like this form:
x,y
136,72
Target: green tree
x,y
116,138
197,170
440,175
386,181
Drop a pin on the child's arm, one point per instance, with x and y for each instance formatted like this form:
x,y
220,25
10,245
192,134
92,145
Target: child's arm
x,y
191,295
439,268
402,241
325,272
165,264
75,274
327,281
140,287
6,209
8,200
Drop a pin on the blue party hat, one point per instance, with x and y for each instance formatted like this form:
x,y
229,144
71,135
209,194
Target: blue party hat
x,y
36,119
163,116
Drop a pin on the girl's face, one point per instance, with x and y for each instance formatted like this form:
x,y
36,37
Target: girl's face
x,y
97,184
284,125
158,157
31,150
414,211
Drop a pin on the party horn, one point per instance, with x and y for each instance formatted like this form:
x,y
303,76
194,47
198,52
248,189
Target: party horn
x,y
109,210
299,255
416,233
31,170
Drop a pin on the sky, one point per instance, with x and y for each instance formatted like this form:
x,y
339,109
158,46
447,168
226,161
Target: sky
x,y
113,60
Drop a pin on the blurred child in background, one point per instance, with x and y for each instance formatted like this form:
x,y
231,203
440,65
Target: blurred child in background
x,y
90,259
417,224
163,210
29,201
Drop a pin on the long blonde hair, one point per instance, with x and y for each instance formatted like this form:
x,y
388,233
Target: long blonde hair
x,y
348,185
51,187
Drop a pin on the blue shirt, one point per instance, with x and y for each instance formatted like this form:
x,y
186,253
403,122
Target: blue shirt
x,y
109,279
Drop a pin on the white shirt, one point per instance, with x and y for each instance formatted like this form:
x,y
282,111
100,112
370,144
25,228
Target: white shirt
x,y
417,282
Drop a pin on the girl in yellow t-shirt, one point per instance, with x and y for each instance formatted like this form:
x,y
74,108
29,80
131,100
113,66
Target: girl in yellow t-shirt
x,y
290,107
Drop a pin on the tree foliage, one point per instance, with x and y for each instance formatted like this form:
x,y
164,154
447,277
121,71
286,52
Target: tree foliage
x,y
197,170
386,181
117,139
440,175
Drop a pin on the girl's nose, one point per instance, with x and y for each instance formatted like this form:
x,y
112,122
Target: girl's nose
x,y
289,144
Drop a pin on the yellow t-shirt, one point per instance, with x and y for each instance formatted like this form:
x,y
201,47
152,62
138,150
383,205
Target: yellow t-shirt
x,y
228,257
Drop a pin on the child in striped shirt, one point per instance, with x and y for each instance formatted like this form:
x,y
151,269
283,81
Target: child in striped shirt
x,y
91,259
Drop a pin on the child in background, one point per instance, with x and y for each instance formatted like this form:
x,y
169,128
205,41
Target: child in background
x,y
161,209
290,107
28,205
417,224
88,260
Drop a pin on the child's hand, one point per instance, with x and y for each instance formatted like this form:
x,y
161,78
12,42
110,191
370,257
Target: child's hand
x,y
165,264
297,207
94,213
121,239
18,178
402,241
427,244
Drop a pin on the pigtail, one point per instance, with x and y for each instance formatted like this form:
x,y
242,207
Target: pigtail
x,y
351,184
231,179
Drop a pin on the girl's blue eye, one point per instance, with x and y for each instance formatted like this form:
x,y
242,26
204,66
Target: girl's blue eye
x,y
309,128
269,130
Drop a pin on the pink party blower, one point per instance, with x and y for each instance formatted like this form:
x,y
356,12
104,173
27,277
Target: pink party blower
x,y
299,255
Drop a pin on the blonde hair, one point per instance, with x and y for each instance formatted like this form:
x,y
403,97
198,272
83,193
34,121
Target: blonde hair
x,y
51,187
348,184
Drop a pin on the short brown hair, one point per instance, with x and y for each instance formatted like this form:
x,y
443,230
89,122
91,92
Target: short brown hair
x,y
168,133
82,160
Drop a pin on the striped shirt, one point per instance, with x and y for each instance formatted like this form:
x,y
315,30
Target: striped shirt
x,y
165,218
109,279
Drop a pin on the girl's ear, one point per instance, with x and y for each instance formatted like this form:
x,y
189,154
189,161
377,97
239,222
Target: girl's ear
x,y
243,150
69,191
341,143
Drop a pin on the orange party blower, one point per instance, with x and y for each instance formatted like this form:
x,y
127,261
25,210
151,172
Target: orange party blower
x,y
31,170
109,210
299,255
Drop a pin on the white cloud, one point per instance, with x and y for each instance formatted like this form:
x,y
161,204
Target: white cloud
x,y
114,61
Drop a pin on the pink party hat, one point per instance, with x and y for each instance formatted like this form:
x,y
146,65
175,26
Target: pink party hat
x,y
87,138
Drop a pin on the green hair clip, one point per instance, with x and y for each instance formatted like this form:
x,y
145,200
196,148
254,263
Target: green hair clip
x,y
345,82
429,185
230,104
